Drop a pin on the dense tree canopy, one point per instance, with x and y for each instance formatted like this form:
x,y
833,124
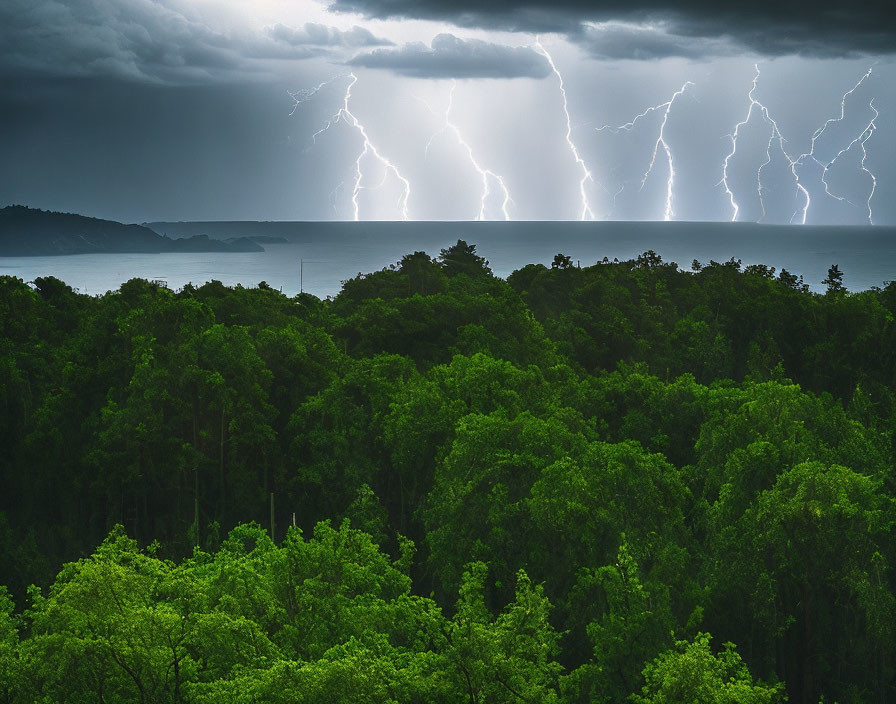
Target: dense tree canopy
x,y
620,482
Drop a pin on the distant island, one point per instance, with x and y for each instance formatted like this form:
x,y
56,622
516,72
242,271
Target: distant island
x,y
32,232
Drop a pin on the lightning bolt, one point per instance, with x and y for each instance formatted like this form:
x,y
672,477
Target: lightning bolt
x,y
820,131
862,138
344,114
774,136
733,137
870,131
485,174
492,182
865,135
304,94
816,135
586,174
660,142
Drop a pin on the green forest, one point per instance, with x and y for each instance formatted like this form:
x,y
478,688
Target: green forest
x,y
627,482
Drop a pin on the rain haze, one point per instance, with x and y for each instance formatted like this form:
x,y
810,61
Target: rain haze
x,y
372,110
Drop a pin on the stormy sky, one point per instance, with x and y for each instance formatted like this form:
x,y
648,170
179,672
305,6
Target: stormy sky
x,y
143,110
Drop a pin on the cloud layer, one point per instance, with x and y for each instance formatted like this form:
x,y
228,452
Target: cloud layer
x,y
168,41
150,41
618,40
323,36
807,27
451,57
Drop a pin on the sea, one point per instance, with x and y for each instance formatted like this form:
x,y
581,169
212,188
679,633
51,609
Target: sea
x,y
316,257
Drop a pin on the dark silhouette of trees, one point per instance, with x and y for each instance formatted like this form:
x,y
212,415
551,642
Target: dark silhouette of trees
x,y
561,261
834,279
461,258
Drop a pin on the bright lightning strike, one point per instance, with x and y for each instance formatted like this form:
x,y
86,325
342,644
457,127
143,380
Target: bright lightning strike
x,y
586,174
485,174
344,114
820,131
733,137
869,132
815,137
491,181
774,135
861,140
660,142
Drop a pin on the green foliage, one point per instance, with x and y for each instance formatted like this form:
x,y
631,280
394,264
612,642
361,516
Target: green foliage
x,y
322,619
691,674
550,488
10,667
509,658
631,622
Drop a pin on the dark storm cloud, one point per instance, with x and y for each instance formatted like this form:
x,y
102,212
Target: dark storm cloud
x,y
773,27
615,40
148,41
451,57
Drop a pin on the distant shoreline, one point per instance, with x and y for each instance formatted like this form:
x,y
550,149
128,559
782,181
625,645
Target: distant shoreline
x,y
317,257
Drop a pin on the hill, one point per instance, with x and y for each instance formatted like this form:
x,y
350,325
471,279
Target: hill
x,y
32,232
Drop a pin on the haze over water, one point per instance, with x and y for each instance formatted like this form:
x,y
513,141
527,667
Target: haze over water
x,y
333,252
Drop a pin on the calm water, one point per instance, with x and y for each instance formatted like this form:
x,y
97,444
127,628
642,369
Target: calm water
x,y
333,252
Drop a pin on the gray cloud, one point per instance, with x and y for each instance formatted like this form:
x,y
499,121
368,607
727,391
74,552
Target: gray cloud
x,y
451,57
149,41
618,40
142,41
772,27
322,35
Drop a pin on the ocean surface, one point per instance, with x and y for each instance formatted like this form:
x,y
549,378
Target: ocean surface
x,y
319,256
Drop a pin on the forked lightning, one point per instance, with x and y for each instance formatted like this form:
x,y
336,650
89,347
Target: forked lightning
x,y
344,114
660,142
800,214
485,174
